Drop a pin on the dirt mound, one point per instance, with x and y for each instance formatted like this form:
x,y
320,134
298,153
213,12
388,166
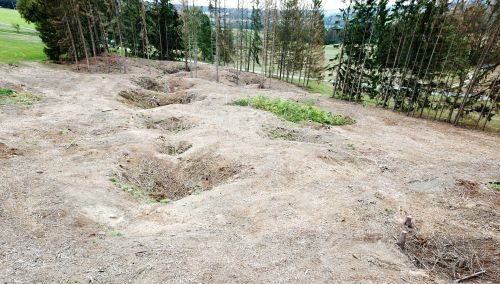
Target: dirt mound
x,y
179,84
155,94
242,78
171,67
148,83
168,86
171,148
6,151
152,99
162,179
171,124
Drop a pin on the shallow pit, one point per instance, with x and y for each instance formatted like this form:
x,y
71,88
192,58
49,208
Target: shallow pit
x,y
163,179
155,93
152,99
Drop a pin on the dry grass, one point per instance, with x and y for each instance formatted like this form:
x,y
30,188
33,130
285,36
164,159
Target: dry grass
x,y
452,256
152,99
6,151
171,124
171,148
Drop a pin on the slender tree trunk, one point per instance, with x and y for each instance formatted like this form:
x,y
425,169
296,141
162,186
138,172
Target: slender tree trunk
x,y
217,40
493,38
80,31
70,34
144,31
342,50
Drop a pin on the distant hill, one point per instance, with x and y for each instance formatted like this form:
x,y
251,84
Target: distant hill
x,y
232,15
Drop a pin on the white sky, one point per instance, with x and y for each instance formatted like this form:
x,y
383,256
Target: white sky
x,y
327,4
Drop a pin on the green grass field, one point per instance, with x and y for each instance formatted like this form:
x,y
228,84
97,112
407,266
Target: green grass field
x,y
331,52
16,47
9,16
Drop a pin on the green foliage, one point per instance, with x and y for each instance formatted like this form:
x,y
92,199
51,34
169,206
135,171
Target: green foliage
x,y
426,58
16,27
205,37
495,185
163,28
45,15
294,112
6,92
256,26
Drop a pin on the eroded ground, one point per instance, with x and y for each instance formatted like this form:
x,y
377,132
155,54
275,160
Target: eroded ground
x,y
235,194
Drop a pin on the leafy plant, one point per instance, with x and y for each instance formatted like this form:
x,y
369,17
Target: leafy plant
x,y
17,27
293,111
495,185
6,92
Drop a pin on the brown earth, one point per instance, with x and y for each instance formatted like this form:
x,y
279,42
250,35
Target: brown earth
x,y
279,202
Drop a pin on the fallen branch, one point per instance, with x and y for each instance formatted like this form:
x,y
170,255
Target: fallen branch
x,y
479,273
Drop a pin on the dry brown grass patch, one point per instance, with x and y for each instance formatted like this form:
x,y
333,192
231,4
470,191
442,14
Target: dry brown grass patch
x,y
171,124
171,148
152,99
453,256
6,151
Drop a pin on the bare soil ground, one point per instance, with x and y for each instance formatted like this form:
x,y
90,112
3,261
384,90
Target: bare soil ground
x,y
256,199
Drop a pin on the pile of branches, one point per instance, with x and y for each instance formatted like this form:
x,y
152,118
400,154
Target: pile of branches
x,y
454,256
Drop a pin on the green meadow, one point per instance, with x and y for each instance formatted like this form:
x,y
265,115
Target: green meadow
x,y
18,44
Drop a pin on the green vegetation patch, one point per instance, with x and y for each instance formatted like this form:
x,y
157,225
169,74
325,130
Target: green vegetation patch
x,y
293,111
11,97
6,92
19,40
11,17
15,48
495,185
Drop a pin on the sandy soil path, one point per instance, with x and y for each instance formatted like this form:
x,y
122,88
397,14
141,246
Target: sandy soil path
x,y
323,208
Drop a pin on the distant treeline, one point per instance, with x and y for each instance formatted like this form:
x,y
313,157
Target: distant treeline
x,y
280,38
10,4
433,59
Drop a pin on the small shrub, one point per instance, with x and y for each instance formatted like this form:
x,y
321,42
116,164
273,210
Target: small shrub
x,y
17,27
6,92
495,185
294,112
